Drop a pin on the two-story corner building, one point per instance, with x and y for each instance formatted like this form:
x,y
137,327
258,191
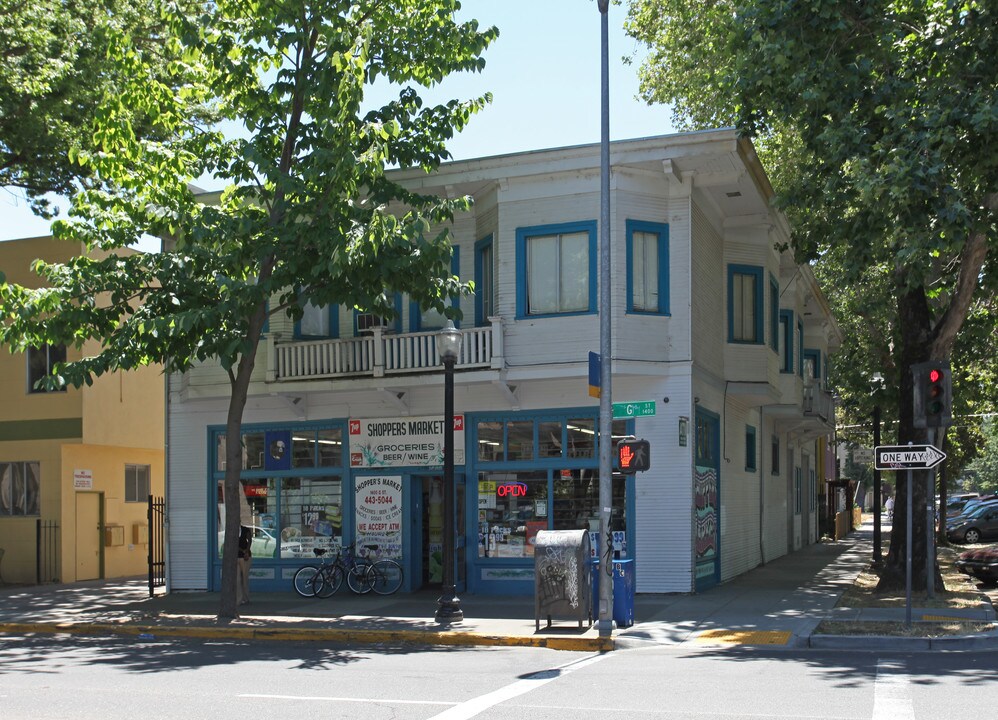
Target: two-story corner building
x,y
77,465
725,338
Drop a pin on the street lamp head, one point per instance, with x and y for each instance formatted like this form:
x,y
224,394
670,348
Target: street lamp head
x,y
449,342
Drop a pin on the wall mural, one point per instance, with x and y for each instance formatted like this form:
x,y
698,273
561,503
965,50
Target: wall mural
x,y
705,497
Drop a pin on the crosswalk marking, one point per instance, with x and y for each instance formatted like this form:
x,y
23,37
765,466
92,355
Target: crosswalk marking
x,y
892,692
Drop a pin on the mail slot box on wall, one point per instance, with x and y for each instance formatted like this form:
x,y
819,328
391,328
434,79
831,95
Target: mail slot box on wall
x,y
114,535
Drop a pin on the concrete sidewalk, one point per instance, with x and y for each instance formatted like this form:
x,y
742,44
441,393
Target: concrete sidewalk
x,y
779,604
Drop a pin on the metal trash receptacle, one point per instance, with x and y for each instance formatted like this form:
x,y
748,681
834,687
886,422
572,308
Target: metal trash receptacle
x,y
561,576
623,592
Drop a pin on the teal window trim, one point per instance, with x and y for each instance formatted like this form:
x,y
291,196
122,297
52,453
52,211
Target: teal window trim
x,y
523,235
416,312
774,459
750,454
757,300
661,231
787,331
774,313
486,243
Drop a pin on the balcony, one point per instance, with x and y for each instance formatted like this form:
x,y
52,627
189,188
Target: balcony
x,y
818,403
378,354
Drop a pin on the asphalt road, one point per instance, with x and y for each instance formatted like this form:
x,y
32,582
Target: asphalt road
x,y
70,677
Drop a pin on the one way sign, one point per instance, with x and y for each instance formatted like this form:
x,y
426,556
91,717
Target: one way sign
x,y
908,457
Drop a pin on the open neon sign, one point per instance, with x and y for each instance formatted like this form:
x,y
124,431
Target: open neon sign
x,y
513,489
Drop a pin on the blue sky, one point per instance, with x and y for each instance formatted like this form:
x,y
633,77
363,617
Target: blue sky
x,y
544,75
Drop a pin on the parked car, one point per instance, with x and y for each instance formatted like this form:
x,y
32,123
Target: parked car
x,y
981,564
956,504
979,524
973,507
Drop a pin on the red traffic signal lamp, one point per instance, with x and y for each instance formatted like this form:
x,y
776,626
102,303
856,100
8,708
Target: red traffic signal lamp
x,y
933,394
633,456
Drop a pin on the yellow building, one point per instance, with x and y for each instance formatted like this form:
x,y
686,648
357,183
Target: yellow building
x,y
77,465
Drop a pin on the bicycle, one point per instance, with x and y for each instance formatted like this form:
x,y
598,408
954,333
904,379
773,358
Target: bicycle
x,y
384,576
312,580
325,579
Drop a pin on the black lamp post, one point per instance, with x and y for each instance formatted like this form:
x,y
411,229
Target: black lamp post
x,y
449,604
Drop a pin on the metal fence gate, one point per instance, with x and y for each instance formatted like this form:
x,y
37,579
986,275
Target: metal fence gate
x,y
46,551
157,543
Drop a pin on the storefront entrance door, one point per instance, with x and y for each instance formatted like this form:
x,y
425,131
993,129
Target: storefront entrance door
x,y
88,531
429,568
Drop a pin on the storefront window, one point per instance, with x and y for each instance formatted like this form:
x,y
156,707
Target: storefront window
x,y
303,449
19,488
311,515
576,501
549,439
330,443
520,440
258,510
253,451
582,438
490,442
512,508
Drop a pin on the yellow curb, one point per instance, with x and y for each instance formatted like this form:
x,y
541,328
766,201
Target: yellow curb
x,y
578,644
744,637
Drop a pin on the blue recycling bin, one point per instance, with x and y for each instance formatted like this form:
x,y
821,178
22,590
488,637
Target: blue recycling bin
x,y
623,592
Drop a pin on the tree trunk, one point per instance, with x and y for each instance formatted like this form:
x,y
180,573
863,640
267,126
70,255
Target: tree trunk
x,y
916,332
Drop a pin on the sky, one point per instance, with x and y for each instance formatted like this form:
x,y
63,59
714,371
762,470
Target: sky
x,y
543,73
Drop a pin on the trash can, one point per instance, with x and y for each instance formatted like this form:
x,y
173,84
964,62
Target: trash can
x,y
623,592
561,576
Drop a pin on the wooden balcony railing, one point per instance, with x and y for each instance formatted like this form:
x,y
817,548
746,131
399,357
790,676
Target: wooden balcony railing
x,y
378,354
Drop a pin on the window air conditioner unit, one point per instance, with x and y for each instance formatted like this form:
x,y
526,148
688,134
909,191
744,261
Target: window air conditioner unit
x,y
367,322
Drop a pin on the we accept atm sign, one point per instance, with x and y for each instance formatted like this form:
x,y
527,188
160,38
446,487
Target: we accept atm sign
x,y
401,442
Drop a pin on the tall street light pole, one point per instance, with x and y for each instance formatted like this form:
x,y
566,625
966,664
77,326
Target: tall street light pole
x,y
605,623
449,604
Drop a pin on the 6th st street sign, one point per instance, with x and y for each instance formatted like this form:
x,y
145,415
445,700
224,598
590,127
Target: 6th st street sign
x,y
908,457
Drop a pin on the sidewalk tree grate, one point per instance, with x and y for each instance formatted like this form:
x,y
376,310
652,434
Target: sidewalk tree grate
x,y
745,637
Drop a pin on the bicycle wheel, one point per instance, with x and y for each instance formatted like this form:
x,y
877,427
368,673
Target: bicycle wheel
x,y
307,580
359,578
331,579
386,577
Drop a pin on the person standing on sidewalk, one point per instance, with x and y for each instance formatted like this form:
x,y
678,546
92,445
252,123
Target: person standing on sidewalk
x,y
245,559
890,508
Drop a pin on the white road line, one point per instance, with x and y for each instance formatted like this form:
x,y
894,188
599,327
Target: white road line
x,y
471,708
327,698
892,692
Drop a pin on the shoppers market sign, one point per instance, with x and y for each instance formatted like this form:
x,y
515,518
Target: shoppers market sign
x,y
378,515
401,442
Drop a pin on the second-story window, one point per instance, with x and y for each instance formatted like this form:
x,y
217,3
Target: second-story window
x,y
786,341
556,269
425,320
485,303
41,360
745,304
318,322
647,267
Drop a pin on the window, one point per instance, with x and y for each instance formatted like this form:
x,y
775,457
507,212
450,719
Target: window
x,y
774,314
317,322
41,360
556,269
813,484
485,292
136,483
366,322
775,459
647,267
20,485
513,507
425,320
800,347
813,359
786,341
745,304
750,448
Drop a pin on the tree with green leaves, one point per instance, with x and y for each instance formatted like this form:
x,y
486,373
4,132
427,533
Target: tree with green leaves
x,y
53,78
876,119
309,213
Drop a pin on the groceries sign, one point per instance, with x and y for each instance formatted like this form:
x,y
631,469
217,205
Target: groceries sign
x,y
400,442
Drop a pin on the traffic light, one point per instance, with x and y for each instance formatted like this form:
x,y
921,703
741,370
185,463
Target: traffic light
x,y
633,456
933,395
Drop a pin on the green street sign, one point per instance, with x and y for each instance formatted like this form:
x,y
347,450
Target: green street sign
x,y
626,410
